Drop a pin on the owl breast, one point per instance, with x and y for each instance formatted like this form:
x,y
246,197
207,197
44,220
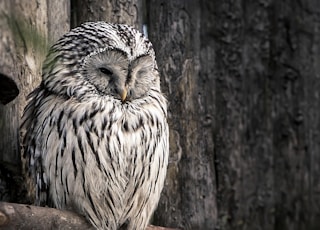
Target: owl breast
x,y
112,161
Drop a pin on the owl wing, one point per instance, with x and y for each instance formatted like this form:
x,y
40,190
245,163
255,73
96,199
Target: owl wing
x,y
31,127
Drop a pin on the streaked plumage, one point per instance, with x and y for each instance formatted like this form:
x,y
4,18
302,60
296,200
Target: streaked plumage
x,y
96,135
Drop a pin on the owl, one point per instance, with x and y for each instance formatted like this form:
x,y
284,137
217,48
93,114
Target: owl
x,y
95,130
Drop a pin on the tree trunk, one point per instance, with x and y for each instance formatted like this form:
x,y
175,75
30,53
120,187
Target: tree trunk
x,y
25,27
242,82
178,33
127,12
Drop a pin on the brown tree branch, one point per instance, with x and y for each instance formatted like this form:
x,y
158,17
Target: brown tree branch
x,y
21,216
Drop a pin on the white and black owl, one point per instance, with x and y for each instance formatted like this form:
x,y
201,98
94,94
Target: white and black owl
x,y
96,134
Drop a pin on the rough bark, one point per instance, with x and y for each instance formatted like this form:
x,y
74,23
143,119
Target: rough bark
x,y
242,79
266,135
189,198
128,12
25,27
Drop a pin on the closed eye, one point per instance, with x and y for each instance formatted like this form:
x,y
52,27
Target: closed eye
x,y
105,71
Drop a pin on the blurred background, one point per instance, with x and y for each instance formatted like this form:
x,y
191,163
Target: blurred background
x,y
242,78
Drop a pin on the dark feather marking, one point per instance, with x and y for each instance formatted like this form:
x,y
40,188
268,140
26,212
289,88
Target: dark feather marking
x,y
83,181
159,103
125,126
92,205
71,111
93,150
93,127
42,104
104,123
131,206
124,226
140,121
83,118
143,178
51,121
111,198
56,166
142,137
118,140
113,169
65,197
152,155
95,111
135,159
64,144
59,125
75,170
67,185
151,119
95,130
149,171
110,124
109,153
61,179
74,124
147,150
135,189
48,201
81,149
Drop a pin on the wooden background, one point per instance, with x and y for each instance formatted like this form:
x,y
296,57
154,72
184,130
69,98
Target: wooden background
x,y
243,81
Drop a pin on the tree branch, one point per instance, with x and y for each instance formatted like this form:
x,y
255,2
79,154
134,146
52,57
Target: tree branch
x,y
21,216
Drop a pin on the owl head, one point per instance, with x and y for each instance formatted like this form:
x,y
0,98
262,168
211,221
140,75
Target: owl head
x,y
104,59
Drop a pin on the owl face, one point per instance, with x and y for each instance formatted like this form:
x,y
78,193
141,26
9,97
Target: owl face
x,y
112,73
102,59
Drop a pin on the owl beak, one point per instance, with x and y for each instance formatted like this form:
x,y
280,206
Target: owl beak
x,y
123,94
